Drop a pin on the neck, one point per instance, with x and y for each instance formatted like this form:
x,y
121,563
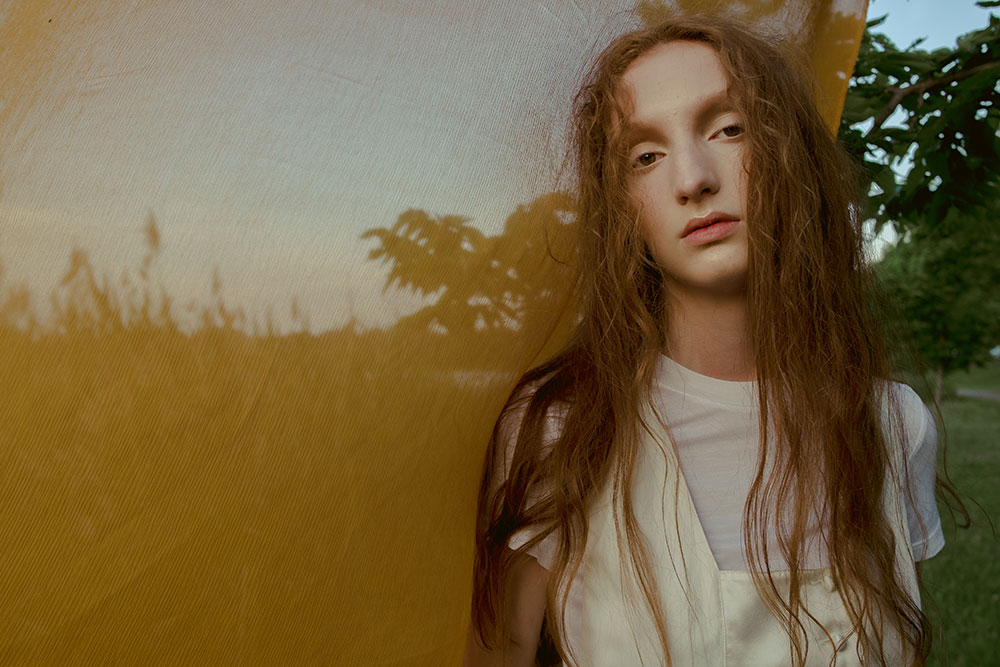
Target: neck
x,y
709,334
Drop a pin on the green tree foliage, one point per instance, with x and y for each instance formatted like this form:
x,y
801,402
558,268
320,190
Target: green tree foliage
x,y
938,111
942,281
925,125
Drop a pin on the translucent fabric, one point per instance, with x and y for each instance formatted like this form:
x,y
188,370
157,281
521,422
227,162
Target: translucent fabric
x,y
268,273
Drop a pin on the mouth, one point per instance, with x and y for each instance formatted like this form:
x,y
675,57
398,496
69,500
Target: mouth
x,y
709,229
706,221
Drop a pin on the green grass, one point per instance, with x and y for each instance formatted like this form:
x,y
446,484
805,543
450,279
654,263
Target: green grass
x,y
962,583
986,376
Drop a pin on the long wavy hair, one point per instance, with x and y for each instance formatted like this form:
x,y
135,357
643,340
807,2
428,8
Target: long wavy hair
x,y
821,365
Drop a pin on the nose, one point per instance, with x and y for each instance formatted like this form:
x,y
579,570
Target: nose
x,y
695,174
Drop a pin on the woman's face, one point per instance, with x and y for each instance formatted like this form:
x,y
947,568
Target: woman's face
x,y
685,150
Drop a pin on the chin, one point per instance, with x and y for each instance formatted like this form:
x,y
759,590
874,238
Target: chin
x,y
732,280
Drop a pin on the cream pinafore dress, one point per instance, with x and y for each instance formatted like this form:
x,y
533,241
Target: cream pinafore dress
x,y
714,618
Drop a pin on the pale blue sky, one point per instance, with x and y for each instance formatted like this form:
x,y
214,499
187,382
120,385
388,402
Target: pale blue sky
x,y
940,21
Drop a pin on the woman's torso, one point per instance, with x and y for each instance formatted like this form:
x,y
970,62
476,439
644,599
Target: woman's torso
x,y
713,614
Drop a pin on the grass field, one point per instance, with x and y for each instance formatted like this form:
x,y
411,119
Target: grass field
x,y
962,584
982,377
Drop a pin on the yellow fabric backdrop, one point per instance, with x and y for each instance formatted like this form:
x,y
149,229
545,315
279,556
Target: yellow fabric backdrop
x,y
268,273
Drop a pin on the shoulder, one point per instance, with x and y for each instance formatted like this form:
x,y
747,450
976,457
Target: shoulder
x,y
918,440
908,420
525,402
539,422
525,435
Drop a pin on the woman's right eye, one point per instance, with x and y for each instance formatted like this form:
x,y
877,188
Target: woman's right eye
x,y
644,160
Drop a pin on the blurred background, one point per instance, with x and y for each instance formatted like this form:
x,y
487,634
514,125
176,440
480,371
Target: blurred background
x,y
268,273
922,110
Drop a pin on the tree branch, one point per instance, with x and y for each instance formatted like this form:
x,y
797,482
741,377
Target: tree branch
x,y
898,94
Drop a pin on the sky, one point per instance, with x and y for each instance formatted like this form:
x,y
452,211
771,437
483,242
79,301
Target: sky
x,y
940,21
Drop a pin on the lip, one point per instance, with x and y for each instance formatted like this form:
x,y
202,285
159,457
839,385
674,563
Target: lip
x,y
708,228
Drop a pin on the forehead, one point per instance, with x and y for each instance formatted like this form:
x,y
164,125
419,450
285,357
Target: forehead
x,y
673,77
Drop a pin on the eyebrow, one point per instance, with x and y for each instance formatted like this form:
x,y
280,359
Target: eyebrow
x,y
708,107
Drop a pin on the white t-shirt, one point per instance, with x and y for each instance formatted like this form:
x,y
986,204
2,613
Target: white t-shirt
x,y
714,423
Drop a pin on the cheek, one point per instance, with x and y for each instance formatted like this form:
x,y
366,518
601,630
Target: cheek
x,y
646,199
655,237
741,176
640,204
636,194
646,228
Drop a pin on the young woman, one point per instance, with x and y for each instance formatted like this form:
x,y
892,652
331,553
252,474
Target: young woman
x,y
716,470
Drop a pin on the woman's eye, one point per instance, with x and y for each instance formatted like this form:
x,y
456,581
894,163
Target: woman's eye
x,y
731,131
645,160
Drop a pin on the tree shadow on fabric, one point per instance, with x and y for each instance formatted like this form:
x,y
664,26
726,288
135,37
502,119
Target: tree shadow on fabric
x,y
492,291
230,495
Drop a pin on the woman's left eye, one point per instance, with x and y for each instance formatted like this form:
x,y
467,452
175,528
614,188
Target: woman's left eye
x,y
731,131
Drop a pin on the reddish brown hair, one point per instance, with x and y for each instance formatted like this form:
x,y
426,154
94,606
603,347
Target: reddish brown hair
x,y
820,363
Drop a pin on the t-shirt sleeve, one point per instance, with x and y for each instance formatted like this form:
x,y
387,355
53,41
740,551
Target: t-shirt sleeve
x,y
920,447
545,551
